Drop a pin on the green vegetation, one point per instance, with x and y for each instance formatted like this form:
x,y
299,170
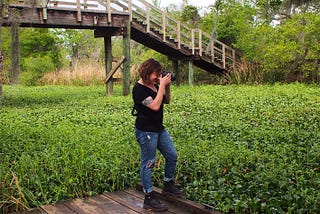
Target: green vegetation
x,y
251,149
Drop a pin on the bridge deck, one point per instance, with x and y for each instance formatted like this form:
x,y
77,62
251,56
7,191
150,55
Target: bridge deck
x,y
127,201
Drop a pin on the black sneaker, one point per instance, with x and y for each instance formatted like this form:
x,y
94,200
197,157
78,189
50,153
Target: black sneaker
x,y
152,202
171,189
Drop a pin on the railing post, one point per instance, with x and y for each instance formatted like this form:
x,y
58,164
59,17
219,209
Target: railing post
x,y
234,59
224,56
44,10
130,10
164,26
212,50
148,17
192,41
79,18
200,42
109,10
179,34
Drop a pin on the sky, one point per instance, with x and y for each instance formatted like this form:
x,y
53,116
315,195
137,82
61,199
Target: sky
x,y
197,3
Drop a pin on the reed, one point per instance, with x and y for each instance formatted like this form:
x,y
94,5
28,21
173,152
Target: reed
x,y
86,73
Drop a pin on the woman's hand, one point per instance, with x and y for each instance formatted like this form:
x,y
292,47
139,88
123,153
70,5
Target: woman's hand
x,y
166,80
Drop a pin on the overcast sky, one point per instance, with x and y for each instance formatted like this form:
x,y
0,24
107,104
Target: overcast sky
x,y
198,3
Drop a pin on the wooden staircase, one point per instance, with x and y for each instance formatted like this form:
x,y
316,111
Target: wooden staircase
x,y
150,26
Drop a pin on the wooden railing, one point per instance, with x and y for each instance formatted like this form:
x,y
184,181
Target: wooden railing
x,y
199,42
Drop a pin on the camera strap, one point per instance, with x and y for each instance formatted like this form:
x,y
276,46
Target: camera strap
x,y
134,111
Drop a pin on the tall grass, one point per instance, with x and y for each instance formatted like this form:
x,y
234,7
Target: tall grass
x,y
85,74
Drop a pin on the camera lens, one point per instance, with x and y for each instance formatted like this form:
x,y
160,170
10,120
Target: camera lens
x,y
172,75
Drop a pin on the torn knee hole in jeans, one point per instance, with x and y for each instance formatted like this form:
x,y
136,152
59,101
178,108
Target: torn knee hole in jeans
x,y
150,164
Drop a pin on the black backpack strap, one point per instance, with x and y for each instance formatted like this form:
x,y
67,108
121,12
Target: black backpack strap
x,y
134,111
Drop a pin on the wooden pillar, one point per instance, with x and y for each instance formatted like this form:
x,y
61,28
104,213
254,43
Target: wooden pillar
x,y
15,55
224,56
126,63
108,63
175,67
190,72
234,60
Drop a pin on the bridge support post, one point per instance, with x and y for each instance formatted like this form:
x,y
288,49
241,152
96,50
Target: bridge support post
x,y
190,72
108,63
126,63
175,67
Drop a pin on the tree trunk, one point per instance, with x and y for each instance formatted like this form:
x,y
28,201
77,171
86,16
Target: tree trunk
x,y
75,58
1,61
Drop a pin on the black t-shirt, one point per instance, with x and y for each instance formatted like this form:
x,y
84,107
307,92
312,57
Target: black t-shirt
x,y
147,119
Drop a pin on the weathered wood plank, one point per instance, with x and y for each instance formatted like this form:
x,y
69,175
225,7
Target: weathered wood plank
x,y
173,208
97,204
59,208
182,202
114,69
127,200
32,17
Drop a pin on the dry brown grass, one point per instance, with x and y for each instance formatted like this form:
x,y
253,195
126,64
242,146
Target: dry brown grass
x,y
16,200
246,73
85,74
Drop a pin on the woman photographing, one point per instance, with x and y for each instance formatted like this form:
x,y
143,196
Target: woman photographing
x,y
150,94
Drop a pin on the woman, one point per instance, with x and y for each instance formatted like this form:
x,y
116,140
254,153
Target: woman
x,y
149,94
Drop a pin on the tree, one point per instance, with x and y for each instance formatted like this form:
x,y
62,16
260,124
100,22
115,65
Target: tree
x,y
80,44
190,14
40,53
288,7
234,18
293,48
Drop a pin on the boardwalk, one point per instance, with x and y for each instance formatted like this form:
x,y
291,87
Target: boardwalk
x,y
128,201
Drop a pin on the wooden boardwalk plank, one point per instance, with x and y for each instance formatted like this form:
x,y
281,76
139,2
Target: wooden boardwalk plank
x,y
182,202
173,208
97,204
58,208
127,200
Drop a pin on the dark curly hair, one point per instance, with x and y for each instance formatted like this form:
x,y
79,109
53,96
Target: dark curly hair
x,y
147,67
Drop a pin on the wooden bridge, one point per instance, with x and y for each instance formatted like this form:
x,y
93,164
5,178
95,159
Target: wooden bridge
x,y
132,19
128,201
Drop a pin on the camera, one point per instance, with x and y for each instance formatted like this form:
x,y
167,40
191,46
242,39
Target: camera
x,y
173,75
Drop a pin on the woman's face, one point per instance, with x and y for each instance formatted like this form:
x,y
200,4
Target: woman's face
x,y
154,77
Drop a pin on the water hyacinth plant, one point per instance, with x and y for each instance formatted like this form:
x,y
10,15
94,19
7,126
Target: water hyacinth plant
x,y
251,149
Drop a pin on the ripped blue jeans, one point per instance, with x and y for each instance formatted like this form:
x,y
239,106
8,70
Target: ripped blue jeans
x,y
149,142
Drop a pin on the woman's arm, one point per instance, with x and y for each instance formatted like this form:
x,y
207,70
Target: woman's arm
x,y
155,104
